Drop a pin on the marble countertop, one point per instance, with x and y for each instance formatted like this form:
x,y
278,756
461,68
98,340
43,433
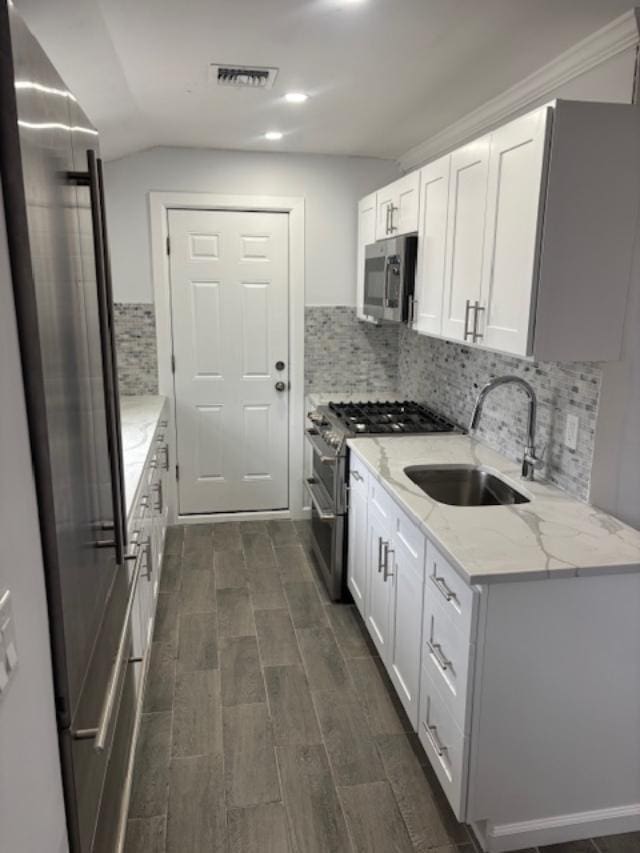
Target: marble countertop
x,y
139,417
552,536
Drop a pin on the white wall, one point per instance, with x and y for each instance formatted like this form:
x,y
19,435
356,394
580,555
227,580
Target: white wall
x,y
330,186
31,803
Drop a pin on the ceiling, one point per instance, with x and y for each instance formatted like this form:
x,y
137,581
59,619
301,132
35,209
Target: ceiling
x,y
382,75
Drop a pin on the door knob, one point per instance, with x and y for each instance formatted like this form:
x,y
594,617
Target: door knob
x,y
280,365
280,386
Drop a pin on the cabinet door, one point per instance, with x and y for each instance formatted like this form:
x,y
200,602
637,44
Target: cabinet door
x,y
357,555
465,235
378,589
432,245
406,627
404,216
398,206
366,235
514,207
385,203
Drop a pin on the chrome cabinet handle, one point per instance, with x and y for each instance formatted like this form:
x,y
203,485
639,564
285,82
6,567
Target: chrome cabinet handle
x,y
436,650
387,228
442,587
165,450
387,551
160,504
392,210
476,309
148,562
382,544
434,740
467,312
357,476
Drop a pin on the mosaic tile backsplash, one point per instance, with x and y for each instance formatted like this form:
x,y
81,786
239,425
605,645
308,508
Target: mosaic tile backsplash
x,y
448,376
346,356
344,353
135,330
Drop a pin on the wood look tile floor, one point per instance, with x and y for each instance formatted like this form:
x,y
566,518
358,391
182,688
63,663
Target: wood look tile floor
x,y
269,725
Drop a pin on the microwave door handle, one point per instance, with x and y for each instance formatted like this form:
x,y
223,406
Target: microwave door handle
x,y
385,296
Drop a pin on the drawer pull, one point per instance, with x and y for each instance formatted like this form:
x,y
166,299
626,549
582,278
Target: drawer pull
x,y
387,551
434,740
381,545
436,651
357,476
443,589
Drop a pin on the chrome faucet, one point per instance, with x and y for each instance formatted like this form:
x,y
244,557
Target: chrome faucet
x,y
530,462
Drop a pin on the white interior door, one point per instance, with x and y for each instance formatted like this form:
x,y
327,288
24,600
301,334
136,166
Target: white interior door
x,y
229,305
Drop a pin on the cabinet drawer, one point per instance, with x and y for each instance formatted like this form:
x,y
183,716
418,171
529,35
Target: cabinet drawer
x,y
413,540
448,658
445,584
358,473
446,746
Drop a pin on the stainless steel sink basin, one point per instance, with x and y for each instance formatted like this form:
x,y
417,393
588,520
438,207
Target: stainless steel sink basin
x,y
463,485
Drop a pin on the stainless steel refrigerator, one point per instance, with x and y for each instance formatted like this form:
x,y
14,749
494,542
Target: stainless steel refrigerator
x,y
53,194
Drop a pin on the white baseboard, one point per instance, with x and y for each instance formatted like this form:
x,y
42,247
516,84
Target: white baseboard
x,y
500,838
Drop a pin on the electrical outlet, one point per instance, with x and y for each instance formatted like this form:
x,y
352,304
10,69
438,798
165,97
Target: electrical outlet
x,y
571,431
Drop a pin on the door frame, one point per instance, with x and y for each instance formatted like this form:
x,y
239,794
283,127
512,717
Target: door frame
x,y
159,205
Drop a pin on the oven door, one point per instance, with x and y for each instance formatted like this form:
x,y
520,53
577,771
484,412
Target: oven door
x,y
375,280
327,539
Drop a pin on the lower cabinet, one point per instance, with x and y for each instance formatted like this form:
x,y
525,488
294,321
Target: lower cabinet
x,y
147,529
509,685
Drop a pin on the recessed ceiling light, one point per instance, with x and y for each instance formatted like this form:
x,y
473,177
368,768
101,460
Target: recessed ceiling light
x,y
296,97
273,135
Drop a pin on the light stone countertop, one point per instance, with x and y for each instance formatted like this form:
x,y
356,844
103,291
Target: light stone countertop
x,y
139,417
552,536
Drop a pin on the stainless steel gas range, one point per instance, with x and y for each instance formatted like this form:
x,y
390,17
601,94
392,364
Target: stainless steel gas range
x,y
331,426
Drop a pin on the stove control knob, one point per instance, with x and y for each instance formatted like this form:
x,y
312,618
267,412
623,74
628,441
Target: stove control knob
x,y
333,438
315,417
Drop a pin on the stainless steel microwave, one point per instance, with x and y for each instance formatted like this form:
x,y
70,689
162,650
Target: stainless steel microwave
x,y
389,278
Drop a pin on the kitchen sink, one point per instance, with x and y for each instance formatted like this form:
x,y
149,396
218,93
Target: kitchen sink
x,y
463,485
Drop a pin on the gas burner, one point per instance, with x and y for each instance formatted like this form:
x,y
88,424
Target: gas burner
x,y
388,418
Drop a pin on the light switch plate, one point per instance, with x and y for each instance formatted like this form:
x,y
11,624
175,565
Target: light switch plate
x,y
571,432
8,648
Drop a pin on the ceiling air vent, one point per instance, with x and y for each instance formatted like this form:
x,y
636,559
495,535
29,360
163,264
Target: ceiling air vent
x,y
244,76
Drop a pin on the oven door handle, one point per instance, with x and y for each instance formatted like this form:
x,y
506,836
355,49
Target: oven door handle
x,y
312,437
313,489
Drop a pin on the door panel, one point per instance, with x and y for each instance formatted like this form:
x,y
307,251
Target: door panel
x,y
378,590
357,553
432,245
229,302
465,230
405,646
513,214
366,235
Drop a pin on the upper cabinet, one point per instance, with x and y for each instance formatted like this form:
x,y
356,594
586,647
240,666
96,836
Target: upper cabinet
x,y
526,235
366,234
515,197
432,246
397,207
465,238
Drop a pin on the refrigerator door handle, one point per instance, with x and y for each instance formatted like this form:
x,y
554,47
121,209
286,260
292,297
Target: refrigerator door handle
x,y
114,356
106,346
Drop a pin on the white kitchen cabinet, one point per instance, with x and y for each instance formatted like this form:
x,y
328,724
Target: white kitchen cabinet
x,y
403,661
511,686
530,249
397,207
465,237
515,200
378,593
432,246
366,234
357,560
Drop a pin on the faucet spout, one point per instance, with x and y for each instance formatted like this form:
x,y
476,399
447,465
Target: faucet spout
x,y
529,460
